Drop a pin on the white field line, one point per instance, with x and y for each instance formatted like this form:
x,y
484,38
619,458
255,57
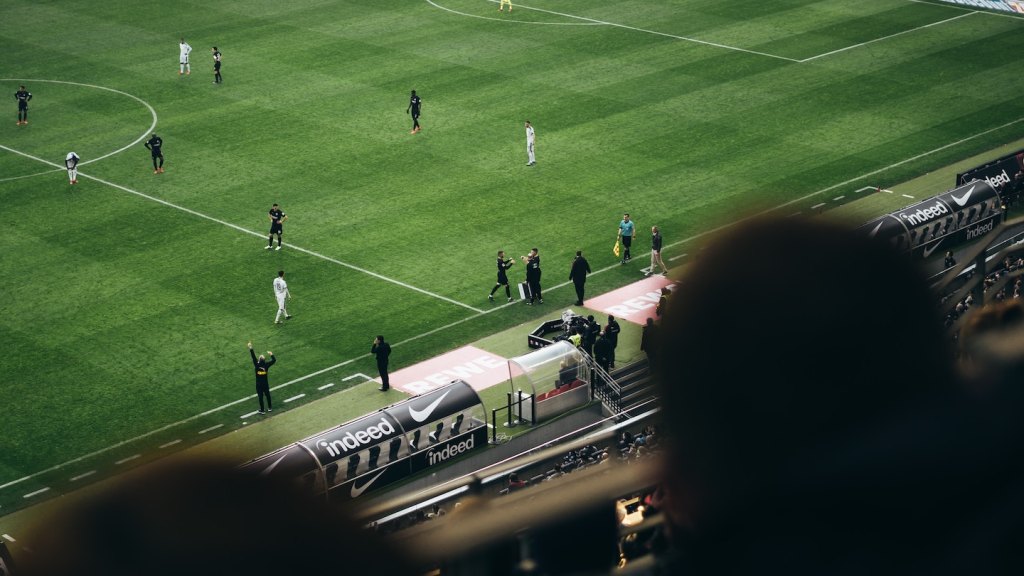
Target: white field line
x,y
253,413
965,14
325,386
838,198
128,459
907,196
511,19
251,232
353,377
83,475
171,443
816,206
210,429
36,493
656,33
9,538
674,258
968,9
293,398
690,238
148,131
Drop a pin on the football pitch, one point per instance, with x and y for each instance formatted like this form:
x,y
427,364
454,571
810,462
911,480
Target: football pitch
x,y
129,297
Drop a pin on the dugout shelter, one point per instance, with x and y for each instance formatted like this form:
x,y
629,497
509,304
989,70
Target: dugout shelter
x,y
373,451
551,380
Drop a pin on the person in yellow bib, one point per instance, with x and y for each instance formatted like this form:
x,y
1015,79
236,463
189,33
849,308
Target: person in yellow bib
x,y
503,4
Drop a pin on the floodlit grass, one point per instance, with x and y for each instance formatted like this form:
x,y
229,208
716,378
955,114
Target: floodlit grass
x,y
124,315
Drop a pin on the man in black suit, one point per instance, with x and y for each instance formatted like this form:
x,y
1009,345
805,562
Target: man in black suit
x,y
262,366
382,350
578,275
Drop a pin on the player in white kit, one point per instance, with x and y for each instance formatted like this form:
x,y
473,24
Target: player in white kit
x,y
183,51
530,139
71,163
281,292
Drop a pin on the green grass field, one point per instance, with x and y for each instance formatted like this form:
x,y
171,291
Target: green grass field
x,y
128,298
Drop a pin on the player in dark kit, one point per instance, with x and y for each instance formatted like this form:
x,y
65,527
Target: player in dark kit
x,y
153,145
503,266
262,366
217,79
414,109
23,96
277,218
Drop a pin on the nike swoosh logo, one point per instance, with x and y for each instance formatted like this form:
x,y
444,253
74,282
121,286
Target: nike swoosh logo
x,y
270,468
358,490
877,228
961,201
928,251
421,415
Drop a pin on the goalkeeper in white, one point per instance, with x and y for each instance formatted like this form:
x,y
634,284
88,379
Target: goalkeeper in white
x,y
71,163
281,292
183,51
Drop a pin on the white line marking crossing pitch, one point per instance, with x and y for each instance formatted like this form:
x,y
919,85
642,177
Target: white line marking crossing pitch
x,y
253,413
674,258
326,386
251,232
169,444
885,37
128,459
9,538
210,429
816,206
36,493
287,400
838,198
690,238
644,30
84,475
148,131
907,196
510,19
365,377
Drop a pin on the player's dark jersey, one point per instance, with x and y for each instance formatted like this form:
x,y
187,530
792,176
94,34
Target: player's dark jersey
x,y
154,144
23,97
261,367
70,163
414,105
656,242
504,265
533,268
276,215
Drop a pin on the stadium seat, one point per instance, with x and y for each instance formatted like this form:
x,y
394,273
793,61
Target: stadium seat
x,y
374,456
353,463
396,444
435,436
457,425
332,473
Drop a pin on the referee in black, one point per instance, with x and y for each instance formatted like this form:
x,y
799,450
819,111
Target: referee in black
x,y
154,145
262,384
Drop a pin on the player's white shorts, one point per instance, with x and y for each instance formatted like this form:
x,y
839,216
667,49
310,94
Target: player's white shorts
x,y
280,302
183,60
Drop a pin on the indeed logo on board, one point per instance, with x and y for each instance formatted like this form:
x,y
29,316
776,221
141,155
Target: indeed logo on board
x,y
995,181
350,441
981,229
922,215
449,451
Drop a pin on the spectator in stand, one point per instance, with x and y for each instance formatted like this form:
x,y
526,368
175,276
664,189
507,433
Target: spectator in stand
x,y
514,483
662,301
828,443
981,327
949,262
201,518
